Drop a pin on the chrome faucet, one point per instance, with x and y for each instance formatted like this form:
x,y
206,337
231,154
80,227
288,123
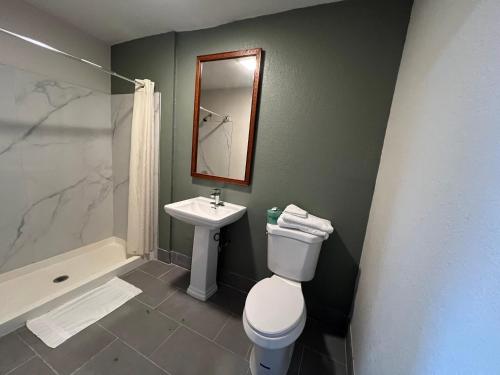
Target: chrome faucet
x,y
216,198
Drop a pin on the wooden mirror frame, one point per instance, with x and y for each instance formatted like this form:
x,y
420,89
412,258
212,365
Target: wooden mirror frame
x,y
257,52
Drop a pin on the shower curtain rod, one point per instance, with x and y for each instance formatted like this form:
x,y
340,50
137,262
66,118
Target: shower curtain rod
x,y
212,112
70,56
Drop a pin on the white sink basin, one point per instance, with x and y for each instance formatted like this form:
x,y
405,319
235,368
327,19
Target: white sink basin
x,y
207,221
198,211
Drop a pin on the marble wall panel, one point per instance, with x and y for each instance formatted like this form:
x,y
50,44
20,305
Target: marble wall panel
x,y
56,187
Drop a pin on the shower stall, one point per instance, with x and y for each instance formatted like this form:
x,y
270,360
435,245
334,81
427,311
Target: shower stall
x,y
64,167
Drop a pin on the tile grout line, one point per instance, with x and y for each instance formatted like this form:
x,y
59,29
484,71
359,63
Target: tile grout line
x,y
38,354
163,274
141,271
345,352
95,355
153,307
177,266
180,323
221,328
138,352
174,289
231,313
184,325
162,301
202,335
351,351
156,277
301,360
179,289
223,308
216,343
21,364
164,341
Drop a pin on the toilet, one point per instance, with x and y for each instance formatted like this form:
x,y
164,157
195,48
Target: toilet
x,y
275,311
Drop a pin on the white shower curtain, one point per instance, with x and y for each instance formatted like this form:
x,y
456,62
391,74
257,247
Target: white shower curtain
x,y
143,174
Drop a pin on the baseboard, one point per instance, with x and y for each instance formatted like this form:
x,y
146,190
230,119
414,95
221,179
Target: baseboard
x,y
348,352
170,256
332,316
234,280
164,256
237,281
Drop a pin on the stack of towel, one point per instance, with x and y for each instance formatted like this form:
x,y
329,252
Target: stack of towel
x,y
296,218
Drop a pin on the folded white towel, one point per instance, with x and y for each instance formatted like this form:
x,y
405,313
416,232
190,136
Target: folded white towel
x,y
311,221
295,210
284,224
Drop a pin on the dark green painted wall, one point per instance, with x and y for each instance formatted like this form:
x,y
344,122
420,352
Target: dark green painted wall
x,y
328,78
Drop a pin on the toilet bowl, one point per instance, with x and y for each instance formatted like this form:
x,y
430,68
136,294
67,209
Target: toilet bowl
x,y
275,311
273,319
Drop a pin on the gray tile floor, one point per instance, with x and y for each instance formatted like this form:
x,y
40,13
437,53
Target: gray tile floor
x,y
165,331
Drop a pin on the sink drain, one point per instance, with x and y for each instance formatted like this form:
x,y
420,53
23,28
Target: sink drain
x,y
60,279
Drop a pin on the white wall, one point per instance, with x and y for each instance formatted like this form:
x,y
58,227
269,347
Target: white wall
x,y
19,17
429,295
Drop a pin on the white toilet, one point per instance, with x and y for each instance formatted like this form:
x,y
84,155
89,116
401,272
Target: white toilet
x,y
275,312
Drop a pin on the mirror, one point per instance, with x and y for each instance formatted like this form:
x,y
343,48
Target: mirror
x,y
226,92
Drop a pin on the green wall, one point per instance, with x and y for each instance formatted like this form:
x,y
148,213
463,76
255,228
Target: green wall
x,y
328,78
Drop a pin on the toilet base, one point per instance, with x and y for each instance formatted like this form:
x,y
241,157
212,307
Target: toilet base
x,y
270,361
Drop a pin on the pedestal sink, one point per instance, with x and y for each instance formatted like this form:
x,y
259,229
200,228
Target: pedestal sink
x,y
207,221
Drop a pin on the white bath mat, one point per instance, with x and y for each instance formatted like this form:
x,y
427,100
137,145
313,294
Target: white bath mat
x,y
58,325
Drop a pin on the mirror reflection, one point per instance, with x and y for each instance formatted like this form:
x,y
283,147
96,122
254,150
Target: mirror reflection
x,y
224,116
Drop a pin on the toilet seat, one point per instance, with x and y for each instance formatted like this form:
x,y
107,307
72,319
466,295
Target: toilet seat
x,y
275,312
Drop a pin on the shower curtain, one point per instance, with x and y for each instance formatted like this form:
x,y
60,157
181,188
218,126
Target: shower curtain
x,y
143,174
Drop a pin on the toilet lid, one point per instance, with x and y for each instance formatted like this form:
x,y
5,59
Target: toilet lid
x,y
274,307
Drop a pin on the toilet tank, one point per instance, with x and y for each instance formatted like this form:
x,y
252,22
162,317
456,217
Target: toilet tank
x,y
291,253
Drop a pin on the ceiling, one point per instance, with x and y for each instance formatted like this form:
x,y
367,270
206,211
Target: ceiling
x,y
114,21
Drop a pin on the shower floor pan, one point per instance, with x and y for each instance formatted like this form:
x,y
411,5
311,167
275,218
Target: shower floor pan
x,y
30,291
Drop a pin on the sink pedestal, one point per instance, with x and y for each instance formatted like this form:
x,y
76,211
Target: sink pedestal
x,y
207,222
204,263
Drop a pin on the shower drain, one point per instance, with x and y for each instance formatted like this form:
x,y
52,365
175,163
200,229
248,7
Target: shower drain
x,y
60,279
